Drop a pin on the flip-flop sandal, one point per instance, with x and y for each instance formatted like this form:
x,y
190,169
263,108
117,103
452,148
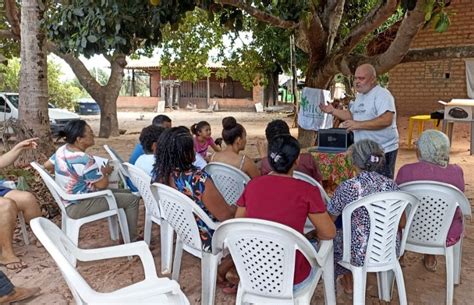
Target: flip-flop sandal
x,y
431,268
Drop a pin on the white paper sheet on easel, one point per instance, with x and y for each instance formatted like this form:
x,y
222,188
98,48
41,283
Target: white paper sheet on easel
x,y
310,116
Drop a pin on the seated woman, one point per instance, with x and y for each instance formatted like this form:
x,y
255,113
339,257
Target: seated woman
x,y
367,157
433,164
290,202
11,203
148,138
77,172
235,138
174,167
306,163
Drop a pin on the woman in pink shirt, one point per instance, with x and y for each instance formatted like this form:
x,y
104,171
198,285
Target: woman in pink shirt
x,y
433,164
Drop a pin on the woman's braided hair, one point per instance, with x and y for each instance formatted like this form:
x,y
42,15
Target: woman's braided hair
x,y
175,152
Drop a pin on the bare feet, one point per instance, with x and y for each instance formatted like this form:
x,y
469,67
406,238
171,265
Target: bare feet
x,y
12,263
346,282
19,294
430,262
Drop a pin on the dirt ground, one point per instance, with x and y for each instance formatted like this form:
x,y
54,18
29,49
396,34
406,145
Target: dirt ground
x,y
422,287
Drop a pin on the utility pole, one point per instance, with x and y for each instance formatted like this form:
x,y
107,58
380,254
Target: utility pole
x,y
293,75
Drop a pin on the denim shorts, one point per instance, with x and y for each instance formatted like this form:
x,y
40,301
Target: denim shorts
x,y
6,287
307,281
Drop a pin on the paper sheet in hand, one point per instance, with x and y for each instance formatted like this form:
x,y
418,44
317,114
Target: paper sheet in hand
x,y
114,176
310,115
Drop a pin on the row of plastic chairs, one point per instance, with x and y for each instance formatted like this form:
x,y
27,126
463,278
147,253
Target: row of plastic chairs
x,y
174,219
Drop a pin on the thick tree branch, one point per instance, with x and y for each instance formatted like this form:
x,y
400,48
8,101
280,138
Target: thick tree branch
x,y
260,15
11,12
6,34
370,22
331,19
117,65
83,75
420,55
410,26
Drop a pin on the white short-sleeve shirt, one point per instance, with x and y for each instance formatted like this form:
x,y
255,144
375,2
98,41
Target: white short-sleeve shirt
x,y
369,106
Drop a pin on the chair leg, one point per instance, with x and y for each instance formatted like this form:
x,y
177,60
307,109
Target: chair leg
x,y
73,233
410,131
24,231
385,285
402,294
177,259
113,228
328,278
122,220
238,298
166,236
449,275
360,281
148,228
209,264
457,262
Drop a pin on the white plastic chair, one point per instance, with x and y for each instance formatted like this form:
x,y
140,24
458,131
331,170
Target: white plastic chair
x,y
428,232
311,180
264,255
308,226
229,180
21,218
178,211
142,182
152,290
71,226
123,173
385,211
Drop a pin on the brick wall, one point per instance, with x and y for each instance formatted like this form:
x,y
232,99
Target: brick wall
x,y
418,86
137,102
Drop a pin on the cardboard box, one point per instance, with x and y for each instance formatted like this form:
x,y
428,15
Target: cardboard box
x,y
459,110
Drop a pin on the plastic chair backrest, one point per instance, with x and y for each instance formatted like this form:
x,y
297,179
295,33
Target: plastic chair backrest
x,y
178,210
385,210
311,180
438,203
119,162
59,246
229,180
142,182
56,190
264,254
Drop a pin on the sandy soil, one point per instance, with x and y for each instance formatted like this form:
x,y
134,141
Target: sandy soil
x,y
422,287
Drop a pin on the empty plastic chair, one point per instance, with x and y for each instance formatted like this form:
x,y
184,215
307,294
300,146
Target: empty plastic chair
x,y
152,290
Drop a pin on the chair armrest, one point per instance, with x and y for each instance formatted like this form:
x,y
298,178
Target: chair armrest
x,y
104,193
160,286
325,247
139,248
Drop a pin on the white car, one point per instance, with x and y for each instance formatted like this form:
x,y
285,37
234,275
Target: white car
x,y
58,118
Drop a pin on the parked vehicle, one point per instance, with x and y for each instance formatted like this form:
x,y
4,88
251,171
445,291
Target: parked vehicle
x,y
87,106
58,118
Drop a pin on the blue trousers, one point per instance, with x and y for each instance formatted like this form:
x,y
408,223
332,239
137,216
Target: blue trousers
x,y
6,287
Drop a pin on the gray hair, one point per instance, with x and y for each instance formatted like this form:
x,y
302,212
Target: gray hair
x,y
433,147
367,155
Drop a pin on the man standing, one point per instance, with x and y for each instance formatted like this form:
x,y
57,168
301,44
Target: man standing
x,y
371,115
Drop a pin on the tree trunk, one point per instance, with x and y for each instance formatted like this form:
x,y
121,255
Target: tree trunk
x,y
105,96
33,108
108,117
271,90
